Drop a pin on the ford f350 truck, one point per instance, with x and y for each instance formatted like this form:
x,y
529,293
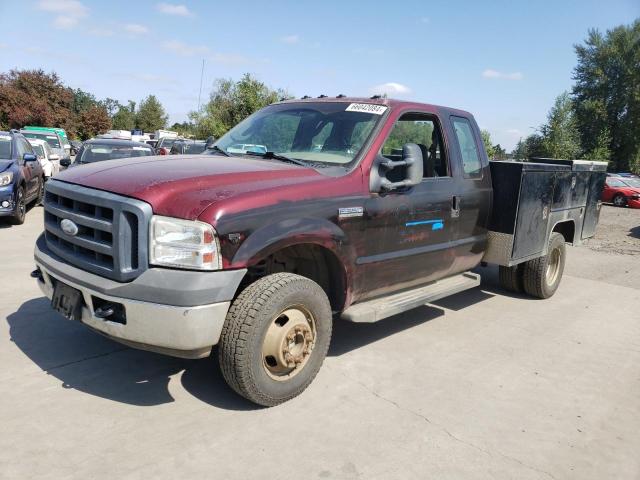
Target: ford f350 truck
x,y
356,209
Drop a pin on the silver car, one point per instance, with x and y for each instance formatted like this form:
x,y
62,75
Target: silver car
x,y
55,141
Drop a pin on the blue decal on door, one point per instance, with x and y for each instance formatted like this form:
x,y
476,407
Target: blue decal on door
x,y
436,224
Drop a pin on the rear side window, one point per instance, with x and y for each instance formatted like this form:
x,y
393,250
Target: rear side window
x,y
471,163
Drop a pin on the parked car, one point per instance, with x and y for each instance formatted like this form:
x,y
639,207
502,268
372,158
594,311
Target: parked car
x,y
164,144
66,144
54,140
246,147
21,176
50,161
152,143
622,191
101,149
259,252
188,147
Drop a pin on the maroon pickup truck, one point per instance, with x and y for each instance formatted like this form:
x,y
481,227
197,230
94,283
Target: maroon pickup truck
x,y
309,211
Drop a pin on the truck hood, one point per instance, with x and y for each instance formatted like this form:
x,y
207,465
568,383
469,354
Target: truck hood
x,y
183,186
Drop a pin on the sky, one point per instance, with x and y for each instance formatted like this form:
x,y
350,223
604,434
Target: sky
x,y
504,61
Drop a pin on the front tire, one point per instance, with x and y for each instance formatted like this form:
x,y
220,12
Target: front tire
x,y
620,200
275,338
542,275
511,278
20,207
40,199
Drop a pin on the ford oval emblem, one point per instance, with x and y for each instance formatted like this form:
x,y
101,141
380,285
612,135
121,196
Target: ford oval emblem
x,y
69,227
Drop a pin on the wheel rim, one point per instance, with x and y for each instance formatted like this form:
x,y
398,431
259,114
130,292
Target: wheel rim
x,y
288,343
553,267
618,201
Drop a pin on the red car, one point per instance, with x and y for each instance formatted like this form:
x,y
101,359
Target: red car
x,y
622,191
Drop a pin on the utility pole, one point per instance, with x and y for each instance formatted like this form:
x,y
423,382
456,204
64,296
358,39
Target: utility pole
x,y
200,93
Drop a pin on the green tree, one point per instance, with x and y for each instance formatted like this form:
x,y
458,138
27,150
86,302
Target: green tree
x,y
230,102
125,117
532,146
151,115
607,93
488,146
560,135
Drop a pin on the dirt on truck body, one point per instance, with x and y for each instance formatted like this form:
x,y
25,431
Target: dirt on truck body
x,y
307,212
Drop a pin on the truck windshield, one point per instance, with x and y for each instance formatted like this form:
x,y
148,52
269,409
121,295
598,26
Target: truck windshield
x,y
322,133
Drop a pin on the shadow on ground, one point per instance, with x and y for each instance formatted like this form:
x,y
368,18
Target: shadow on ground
x,y
88,362
635,232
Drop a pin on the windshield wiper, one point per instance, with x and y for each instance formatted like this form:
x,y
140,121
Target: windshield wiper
x,y
216,148
277,156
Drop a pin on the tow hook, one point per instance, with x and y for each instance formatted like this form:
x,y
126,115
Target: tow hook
x,y
37,274
104,312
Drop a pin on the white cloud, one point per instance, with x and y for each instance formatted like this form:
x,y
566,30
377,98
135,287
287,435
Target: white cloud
x,y
101,32
173,9
493,74
425,20
290,39
228,58
136,28
515,132
181,48
390,88
3,45
68,12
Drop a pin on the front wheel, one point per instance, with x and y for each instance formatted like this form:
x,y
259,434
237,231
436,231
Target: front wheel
x,y
542,275
275,338
619,200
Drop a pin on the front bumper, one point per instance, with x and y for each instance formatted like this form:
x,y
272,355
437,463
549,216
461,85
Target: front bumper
x,y
167,311
7,195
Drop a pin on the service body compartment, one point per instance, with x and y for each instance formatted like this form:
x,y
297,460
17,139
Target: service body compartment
x,y
587,181
523,193
531,199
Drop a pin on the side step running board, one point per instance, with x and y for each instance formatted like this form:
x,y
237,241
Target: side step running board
x,y
379,308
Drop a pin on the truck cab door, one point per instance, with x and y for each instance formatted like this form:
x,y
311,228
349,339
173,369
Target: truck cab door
x,y
471,193
408,230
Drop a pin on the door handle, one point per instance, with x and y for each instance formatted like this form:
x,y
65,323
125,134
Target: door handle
x,y
455,206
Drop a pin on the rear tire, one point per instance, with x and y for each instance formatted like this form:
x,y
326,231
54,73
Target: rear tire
x,y
511,278
275,338
542,275
20,208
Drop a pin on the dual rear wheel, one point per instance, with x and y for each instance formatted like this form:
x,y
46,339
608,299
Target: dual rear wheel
x,y
539,277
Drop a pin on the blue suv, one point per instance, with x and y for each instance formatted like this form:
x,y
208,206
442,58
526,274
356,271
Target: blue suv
x,y
21,176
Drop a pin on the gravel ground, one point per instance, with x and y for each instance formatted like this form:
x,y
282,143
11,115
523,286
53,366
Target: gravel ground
x,y
618,231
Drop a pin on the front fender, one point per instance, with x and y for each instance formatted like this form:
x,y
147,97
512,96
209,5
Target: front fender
x,y
285,233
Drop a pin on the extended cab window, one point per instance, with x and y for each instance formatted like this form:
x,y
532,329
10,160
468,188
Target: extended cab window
x,y
424,131
614,182
471,163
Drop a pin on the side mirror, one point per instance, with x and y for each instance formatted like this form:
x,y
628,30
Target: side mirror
x,y
30,157
54,157
414,170
65,162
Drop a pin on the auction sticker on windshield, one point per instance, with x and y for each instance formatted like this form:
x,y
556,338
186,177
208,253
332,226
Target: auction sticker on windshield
x,y
366,108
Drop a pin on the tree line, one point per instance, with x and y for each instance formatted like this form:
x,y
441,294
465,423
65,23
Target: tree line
x,y
599,119
33,97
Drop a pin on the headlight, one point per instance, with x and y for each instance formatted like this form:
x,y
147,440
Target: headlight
x,y
6,178
183,243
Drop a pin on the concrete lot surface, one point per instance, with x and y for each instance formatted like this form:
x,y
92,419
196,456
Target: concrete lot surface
x,y
481,385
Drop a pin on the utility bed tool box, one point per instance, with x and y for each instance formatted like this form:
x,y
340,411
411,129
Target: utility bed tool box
x,y
531,198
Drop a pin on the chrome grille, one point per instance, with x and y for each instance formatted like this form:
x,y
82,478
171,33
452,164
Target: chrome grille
x,y
112,230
